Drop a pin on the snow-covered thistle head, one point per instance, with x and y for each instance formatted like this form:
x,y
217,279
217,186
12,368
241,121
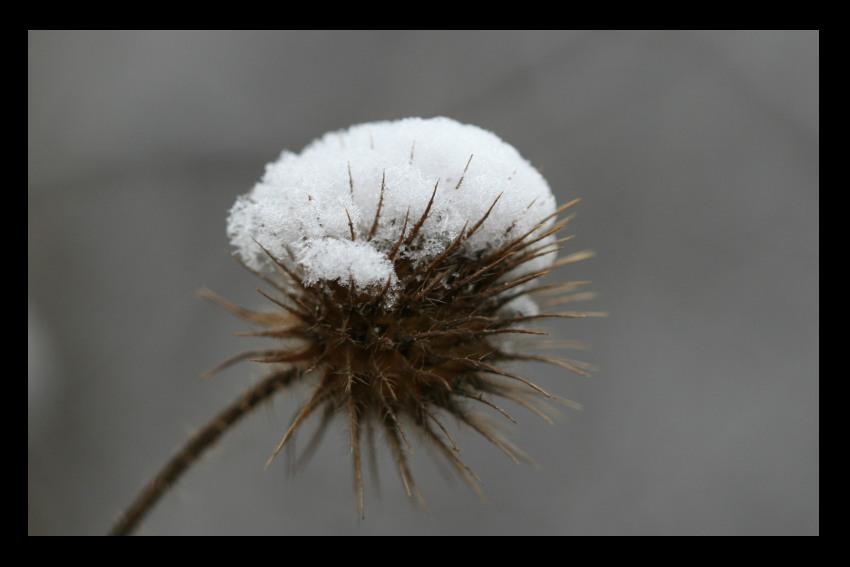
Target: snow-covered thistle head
x,y
403,256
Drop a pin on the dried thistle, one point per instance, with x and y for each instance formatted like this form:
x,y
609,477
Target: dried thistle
x,y
403,316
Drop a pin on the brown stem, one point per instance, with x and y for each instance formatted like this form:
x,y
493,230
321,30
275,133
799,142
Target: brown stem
x,y
195,447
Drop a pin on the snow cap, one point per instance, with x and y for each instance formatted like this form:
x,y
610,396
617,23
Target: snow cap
x,y
305,206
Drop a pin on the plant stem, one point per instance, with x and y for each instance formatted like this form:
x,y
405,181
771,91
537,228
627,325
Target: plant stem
x,y
195,447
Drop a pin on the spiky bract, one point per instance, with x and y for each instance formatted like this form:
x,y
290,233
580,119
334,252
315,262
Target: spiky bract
x,y
436,349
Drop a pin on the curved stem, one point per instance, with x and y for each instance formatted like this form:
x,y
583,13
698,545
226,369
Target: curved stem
x,y
195,447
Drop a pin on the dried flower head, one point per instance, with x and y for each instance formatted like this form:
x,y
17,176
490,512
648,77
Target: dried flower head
x,y
401,259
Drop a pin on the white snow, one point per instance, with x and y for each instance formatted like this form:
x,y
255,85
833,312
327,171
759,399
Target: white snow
x,y
522,306
303,201
332,259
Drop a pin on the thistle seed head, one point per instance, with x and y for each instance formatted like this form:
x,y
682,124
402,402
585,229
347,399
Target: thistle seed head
x,y
400,259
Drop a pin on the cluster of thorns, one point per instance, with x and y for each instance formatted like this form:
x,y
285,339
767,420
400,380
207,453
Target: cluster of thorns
x,y
438,350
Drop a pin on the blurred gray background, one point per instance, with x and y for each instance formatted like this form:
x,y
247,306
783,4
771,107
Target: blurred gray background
x,y
697,155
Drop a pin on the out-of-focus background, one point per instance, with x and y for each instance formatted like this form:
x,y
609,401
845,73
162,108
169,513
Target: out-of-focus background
x,y
696,153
